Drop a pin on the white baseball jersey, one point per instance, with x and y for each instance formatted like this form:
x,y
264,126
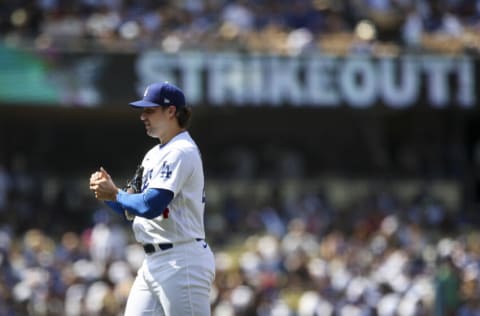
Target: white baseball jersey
x,y
175,166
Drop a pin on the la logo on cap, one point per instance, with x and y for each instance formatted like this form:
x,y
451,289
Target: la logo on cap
x,y
146,92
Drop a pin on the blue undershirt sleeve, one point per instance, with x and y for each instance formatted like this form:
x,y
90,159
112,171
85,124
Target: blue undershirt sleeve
x,y
149,204
115,206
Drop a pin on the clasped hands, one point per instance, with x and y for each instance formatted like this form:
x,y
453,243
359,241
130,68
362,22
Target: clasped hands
x,y
103,186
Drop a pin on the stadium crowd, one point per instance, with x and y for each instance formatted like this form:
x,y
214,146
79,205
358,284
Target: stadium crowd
x,y
267,26
63,254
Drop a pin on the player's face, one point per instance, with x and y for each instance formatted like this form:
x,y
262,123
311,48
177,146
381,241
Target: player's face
x,y
155,120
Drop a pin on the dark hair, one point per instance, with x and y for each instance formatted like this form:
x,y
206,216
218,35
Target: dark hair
x,y
184,115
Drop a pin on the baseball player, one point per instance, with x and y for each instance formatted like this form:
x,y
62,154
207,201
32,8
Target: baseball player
x,y
178,270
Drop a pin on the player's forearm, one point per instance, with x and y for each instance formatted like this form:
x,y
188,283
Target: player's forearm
x,y
148,204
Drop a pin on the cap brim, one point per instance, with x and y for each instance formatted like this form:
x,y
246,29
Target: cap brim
x,y
143,104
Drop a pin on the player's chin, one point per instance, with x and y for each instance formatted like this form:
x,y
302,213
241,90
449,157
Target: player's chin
x,y
148,130
151,133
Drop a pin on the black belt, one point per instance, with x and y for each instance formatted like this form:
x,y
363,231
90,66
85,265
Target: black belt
x,y
151,248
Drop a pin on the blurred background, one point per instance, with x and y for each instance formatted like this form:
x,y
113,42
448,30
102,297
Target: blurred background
x,y
340,139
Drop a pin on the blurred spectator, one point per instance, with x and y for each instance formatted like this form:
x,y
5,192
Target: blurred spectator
x,y
107,239
439,18
447,288
238,14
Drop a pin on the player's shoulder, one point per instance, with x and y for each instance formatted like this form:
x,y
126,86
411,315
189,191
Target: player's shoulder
x,y
184,143
183,147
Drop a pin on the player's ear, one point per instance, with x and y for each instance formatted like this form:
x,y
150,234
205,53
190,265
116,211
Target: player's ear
x,y
172,109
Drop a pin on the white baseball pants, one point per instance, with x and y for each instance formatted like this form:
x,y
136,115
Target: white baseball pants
x,y
174,282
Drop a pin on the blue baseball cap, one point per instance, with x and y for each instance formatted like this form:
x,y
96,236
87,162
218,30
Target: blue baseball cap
x,y
161,94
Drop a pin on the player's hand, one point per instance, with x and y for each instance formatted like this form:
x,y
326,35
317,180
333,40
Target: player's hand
x,y
102,185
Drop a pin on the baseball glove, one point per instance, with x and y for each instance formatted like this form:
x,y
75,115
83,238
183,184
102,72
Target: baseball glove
x,y
134,185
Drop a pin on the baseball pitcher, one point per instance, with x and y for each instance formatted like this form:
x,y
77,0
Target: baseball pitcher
x,y
166,202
